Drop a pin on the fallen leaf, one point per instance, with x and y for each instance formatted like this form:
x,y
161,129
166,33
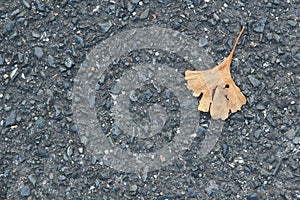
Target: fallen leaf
x,y
220,95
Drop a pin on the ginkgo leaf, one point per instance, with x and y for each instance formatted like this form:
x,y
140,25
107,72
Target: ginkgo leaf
x,y
220,95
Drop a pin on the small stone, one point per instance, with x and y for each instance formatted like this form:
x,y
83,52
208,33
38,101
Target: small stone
x,y
277,37
148,94
94,160
197,2
261,26
203,42
79,39
13,36
70,151
257,134
249,116
22,21
69,62
225,149
51,176
148,144
92,101
75,20
290,134
15,12
116,131
25,191
254,145
243,22
40,123
191,192
39,6
145,14
13,73
277,60
226,20
105,26
19,119
97,87
297,56
201,131
42,153
162,1
253,196
62,177
238,117
74,52
35,34
269,36
216,17
21,157
133,97
176,25
74,128
279,51
102,79
220,49
81,150
9,26
51,61
32,179
133,189
212,21
268,145
277,169
260,107
131,7
107,104
292,23
20,57
38,52
11,119
212,186
296,140
270,120
1,60
116,90
97,183
254,81
272,159
26,4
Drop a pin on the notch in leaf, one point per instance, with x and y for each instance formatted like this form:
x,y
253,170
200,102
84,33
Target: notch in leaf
x,y
220,95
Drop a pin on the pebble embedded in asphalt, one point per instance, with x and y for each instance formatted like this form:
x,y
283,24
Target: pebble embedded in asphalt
x,y
25,191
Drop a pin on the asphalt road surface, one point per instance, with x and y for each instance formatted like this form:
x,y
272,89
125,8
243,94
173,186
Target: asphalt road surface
x,y
94,105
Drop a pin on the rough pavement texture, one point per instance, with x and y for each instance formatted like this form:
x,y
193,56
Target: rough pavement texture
x,y
42,44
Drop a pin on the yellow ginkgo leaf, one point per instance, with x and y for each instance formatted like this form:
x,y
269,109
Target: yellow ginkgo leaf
x,y
220,95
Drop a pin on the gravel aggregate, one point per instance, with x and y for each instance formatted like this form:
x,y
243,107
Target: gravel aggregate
x,y
43,44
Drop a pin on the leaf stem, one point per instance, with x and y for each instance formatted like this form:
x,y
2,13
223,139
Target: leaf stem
x,y
236,41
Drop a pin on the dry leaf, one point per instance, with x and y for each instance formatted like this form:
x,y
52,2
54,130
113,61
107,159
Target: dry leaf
x,y
220,95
